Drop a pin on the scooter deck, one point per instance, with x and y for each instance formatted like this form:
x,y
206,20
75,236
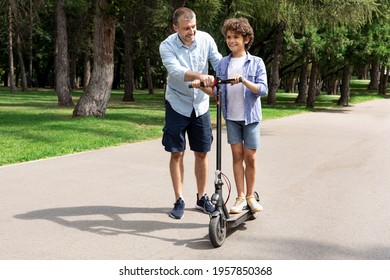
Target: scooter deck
x,y
237,219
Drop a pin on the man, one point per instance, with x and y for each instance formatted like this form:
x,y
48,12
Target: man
x,y
186,54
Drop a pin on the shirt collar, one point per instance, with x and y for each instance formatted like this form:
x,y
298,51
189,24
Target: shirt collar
x,y
180,44
248,56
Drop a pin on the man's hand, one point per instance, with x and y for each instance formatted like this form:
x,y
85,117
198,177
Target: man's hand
x,y
208,90
197,83
206,80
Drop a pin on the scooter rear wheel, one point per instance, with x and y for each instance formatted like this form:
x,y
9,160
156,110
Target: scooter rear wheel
x,y
217,231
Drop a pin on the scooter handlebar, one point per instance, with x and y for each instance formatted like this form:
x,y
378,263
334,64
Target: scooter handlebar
x,y
218,81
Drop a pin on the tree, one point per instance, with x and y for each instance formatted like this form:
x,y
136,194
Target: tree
x,y
61,57
377,48
315,42
11,46
274,81
129,56
284,32
79,13
17,24
282,15
326,17
97,94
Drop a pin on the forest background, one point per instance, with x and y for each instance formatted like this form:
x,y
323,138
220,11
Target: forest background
x,y
95,52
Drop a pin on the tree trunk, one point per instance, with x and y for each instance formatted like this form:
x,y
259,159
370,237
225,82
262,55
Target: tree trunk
x,y
383,81
344,94
147,67
61,58
87,42
302,86
95,99
73,79
332,85
116,84
10,48
6,78
87,68
290,83
129,57
275,79
21,63
374,75
311,95
319,81
362,71
30,44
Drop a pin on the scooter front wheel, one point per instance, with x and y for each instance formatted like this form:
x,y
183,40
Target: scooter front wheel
x,y
217,231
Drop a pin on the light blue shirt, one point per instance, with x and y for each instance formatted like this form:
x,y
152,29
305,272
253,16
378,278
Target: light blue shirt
x,y
178,59
254,71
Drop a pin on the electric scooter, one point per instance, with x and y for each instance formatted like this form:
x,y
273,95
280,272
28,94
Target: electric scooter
x,y
221,220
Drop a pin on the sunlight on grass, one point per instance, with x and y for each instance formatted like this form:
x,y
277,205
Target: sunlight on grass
x,y
34,127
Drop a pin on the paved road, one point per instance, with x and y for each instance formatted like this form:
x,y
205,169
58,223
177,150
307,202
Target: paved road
x,y
323,179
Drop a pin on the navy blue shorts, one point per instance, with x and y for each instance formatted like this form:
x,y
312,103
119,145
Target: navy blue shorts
x,y
198,129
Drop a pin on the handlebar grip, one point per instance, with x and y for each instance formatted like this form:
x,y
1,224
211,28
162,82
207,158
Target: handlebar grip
x,y
228,81
201,84
219,82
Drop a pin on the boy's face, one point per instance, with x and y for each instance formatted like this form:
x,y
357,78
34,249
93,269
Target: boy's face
x,y
186,29
236,42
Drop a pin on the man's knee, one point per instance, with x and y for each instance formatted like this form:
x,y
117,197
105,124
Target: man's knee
x,y
200,155
176,156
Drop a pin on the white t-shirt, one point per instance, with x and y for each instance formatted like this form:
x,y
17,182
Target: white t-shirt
x,y
235,93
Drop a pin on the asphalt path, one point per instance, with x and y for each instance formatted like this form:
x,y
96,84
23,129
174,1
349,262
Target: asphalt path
x,y
323,179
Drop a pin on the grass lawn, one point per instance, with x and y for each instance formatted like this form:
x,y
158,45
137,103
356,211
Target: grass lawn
x,y
33,126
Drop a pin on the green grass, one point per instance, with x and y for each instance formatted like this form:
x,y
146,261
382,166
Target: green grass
x,y
33,126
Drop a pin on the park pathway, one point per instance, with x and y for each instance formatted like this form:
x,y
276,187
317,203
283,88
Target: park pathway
x,y
323,178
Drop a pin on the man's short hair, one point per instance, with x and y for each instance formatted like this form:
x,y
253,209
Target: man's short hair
x,y
182,12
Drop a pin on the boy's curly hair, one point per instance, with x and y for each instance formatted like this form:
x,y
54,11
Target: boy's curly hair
x,y
241,26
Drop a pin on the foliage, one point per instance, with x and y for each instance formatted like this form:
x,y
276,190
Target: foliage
x,y
331,30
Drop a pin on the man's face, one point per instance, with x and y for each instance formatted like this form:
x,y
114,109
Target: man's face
x,y
186,29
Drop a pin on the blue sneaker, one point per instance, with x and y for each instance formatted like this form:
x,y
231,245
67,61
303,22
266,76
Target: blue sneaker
x,y
204,204
178,209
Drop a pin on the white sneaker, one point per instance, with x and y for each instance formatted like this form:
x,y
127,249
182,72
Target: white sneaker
x,y
254,205
238,206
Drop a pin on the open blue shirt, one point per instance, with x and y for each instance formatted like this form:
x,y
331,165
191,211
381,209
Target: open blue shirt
x,y
178,59
254,71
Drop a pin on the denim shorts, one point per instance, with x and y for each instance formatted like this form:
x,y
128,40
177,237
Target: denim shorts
x,y
198,129
238,132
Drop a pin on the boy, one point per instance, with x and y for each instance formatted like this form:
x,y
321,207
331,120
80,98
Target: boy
x,y
241,107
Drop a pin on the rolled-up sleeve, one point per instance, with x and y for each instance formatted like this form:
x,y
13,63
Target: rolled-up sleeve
x,y
171,63
214,55
261,79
